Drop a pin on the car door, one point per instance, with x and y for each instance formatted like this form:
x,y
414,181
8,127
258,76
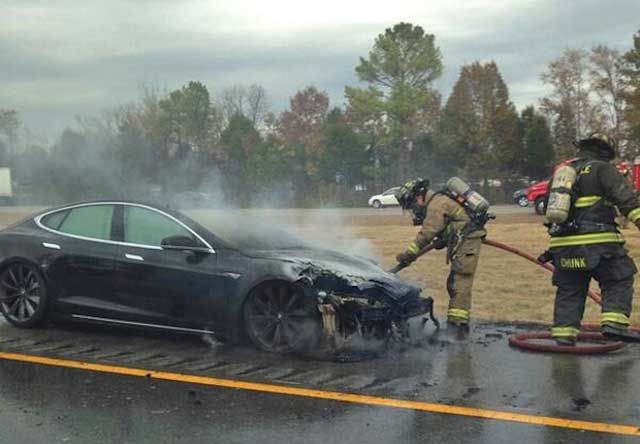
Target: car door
x,y
164,287
80,255
388,198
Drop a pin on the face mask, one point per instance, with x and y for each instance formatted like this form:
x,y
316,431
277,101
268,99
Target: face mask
x,y
419,214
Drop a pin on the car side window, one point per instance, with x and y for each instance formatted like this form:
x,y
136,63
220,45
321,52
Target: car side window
x,y
54,220
147,227
92,221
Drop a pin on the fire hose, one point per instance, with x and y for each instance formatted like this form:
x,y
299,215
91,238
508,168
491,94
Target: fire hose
x,y
527,341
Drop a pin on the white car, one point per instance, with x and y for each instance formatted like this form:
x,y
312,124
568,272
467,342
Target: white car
x,y
385,199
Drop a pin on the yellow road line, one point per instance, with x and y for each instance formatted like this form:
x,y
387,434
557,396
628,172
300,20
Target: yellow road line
x,y
333,396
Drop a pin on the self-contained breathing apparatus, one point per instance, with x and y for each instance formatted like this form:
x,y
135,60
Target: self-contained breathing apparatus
x,y
563,202
475,206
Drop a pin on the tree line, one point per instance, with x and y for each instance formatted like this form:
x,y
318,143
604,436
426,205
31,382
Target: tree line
x,y
393,126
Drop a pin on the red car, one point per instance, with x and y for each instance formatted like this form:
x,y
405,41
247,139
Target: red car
x,y
536,193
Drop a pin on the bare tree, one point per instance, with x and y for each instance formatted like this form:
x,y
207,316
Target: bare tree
x,y
608,84
251,102
569,107
257,103
233,100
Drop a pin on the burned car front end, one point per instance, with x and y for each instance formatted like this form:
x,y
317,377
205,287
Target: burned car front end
x,y
357,298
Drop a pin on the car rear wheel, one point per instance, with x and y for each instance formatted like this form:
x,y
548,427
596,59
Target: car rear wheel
x,y
280,318
377,204
23,295
539,206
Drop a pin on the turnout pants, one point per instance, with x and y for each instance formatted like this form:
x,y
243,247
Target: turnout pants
x,y
460,280
610,266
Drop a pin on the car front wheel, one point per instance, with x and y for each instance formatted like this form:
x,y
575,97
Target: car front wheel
x,y
539,206
280,318
377,204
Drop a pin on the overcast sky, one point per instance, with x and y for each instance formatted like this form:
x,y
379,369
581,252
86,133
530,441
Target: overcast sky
x,y
61,58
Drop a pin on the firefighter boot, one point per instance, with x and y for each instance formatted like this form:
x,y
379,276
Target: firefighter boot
x,y
566,341
620,333
458,328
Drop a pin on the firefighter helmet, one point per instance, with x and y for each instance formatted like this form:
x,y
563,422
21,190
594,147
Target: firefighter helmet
x,y
599,143
408,192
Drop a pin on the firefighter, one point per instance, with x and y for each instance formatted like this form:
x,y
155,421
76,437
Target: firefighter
x,y
589,245
446,223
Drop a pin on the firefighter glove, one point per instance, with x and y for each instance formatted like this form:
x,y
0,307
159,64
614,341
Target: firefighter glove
x,y
406,258
439,243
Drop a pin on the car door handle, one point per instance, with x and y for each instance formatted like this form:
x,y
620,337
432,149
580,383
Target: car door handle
x,y
50,245
134,257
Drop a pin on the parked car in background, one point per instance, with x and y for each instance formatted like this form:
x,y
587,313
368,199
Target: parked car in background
x,y
385,199
520,197
536,194
6,191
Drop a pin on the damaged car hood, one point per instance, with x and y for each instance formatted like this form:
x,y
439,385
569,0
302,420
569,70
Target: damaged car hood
x,y
333,271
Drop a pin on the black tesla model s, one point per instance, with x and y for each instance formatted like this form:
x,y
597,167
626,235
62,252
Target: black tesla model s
x,y
134,264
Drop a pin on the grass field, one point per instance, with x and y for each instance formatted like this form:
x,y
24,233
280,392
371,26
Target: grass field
x,y
507,288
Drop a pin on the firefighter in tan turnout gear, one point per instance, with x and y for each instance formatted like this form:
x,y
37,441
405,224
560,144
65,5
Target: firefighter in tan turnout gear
x,y
448,221
586,243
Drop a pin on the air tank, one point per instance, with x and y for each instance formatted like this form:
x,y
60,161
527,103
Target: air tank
x,y
559,203
472,199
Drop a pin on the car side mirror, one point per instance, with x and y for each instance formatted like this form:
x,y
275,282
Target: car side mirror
x,y
181,243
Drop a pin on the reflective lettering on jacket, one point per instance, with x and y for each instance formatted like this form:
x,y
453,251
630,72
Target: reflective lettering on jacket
x,y
576,263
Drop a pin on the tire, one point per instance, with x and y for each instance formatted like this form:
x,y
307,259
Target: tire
x,y
539,206
522,201
279,318
23,295
377,204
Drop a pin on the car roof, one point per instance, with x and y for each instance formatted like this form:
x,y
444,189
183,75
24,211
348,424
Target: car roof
x,y
165,208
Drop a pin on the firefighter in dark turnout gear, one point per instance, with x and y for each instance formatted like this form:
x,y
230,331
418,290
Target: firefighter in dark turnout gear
x,y
588,244
445,222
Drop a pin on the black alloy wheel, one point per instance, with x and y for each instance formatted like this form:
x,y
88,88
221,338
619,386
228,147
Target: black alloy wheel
x,y
22,295
280,318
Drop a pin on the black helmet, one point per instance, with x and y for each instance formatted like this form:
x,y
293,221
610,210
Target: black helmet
x,y
600,144
407,193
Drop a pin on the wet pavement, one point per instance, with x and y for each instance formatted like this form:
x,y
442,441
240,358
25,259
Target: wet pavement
x,y
42,404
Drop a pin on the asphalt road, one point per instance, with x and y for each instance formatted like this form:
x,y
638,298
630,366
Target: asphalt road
x,y
51,403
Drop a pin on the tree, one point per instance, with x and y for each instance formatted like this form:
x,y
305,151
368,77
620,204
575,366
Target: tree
x,y
252,102
569,106
301,128
345,156
186,112
400,99
608,84
537,145
479,130
631,78
239,141
9,125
